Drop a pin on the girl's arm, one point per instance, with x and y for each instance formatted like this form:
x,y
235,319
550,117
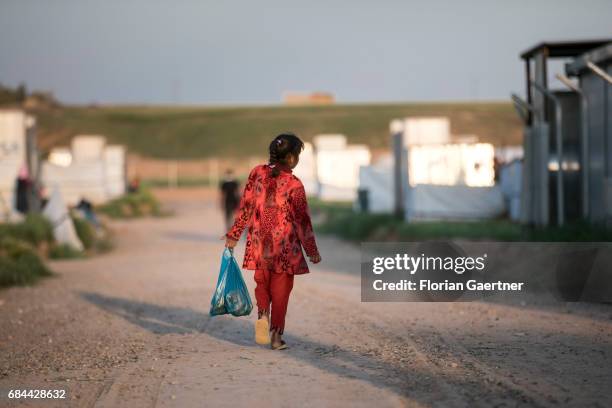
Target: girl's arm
x,y
301,215
245,210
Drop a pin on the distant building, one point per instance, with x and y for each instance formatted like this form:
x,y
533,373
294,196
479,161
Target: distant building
x,y
314,98
40,100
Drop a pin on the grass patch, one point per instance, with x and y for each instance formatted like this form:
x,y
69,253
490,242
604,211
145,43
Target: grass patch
x,y
36,232
181,182
342,221
133,205
23,246
187,182
34,229
94,240
20,263
85,231
201,132
65,251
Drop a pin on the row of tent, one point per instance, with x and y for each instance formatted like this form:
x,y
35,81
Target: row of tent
x,y
89,168
442,201
440,177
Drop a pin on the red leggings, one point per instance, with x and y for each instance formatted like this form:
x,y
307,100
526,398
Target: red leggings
x,y
273,288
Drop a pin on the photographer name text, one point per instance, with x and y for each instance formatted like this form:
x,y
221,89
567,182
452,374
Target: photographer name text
x,y
429,285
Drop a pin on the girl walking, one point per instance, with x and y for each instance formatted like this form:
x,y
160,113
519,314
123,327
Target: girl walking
x,y
274,208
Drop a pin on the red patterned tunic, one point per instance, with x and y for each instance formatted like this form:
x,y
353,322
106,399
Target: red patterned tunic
x,y
276,211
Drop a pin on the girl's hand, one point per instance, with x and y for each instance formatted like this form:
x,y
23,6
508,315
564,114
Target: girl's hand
x,y
315,259
229,243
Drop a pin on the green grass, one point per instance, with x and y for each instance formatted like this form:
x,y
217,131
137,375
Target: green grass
x,y
20,264
36,232
97,242
133,205
34,229
23,245
65,251
181,182
85,231
342,221
199,132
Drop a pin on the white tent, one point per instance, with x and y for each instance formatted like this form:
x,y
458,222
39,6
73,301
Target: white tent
x,y
510,181
441,179
452,164
88,148
338,171
377,180
60,156
426,130
506,154
306,170
114,170
329,142
434,202
90,169
79,180
63,228
13,124
452,181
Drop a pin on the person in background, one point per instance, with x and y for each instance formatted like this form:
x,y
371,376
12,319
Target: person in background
x,y
497,165
134,185
275,209
229,197
43,196
23,185
87,210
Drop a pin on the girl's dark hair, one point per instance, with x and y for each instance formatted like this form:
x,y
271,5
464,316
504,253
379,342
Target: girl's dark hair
x,y
281,147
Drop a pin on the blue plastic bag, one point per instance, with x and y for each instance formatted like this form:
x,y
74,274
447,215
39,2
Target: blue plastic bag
x,y
231,295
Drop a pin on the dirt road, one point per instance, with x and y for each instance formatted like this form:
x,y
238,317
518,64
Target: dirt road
x,y
131,329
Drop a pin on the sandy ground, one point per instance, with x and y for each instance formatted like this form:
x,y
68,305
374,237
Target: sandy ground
x,y
131,329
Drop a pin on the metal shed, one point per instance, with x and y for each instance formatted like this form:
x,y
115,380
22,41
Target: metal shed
x,y
554,188
594,72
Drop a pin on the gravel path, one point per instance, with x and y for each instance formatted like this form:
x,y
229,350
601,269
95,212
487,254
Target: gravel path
x,y
131,329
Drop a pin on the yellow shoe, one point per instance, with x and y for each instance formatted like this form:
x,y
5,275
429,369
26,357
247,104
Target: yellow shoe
x,y
262,332
282,346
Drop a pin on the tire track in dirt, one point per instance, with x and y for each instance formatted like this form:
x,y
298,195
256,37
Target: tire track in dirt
x,y
446,364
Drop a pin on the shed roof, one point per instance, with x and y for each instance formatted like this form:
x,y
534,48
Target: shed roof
x,y
560,49
596,56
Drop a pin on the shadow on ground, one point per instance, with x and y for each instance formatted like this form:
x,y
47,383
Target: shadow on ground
x,y
397,375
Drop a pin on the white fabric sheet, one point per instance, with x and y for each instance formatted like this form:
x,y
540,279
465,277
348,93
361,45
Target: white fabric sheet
x,y
63,228
454,202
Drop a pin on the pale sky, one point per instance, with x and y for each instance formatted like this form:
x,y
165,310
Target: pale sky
x,y
250,52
